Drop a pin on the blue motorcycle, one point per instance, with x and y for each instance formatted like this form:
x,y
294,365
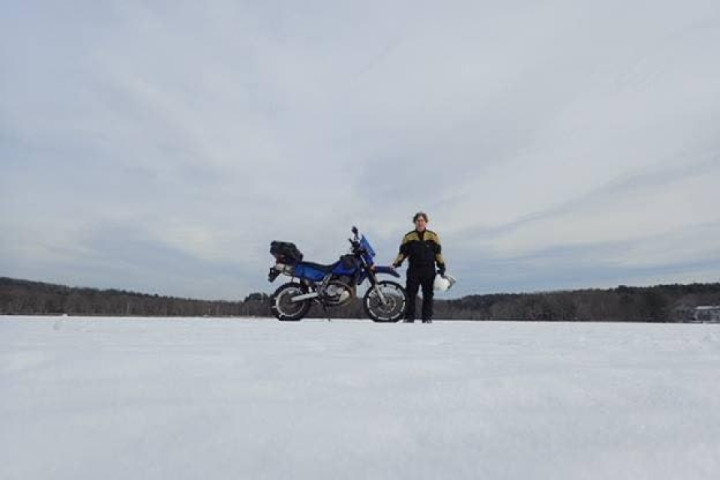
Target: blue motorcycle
x,y
336,284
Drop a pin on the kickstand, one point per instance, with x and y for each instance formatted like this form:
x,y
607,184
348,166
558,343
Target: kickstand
x,y
326,312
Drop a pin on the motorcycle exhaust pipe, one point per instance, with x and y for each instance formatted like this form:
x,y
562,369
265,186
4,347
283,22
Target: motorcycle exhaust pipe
x,y
304,296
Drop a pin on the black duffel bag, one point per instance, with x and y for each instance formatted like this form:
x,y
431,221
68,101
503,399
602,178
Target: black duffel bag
x,y
285,252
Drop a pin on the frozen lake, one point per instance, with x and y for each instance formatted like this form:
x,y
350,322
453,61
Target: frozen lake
x,y
116,398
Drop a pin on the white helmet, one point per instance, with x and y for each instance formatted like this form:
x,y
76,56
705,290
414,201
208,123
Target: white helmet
x,y
443,282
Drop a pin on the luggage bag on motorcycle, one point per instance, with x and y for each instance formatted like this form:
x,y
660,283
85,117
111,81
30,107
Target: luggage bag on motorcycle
x,y
285,252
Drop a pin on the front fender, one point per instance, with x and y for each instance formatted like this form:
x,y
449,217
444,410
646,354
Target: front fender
x,y
388,270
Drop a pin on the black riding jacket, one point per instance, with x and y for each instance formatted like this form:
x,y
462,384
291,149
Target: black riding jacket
x,y
422,249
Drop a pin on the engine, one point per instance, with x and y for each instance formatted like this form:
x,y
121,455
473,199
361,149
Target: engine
x,y
337,291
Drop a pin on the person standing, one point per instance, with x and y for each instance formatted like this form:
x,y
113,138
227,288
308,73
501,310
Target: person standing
x,y
423,250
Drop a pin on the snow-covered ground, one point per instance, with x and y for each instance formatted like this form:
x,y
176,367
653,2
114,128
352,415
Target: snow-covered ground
x,y
112,398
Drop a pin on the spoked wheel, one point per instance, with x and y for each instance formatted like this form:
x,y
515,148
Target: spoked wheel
x,y
394,305
282,305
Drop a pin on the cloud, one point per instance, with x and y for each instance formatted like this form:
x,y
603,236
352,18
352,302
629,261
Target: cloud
x,y
163,147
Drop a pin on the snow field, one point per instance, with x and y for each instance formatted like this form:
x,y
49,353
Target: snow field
x,y
118,398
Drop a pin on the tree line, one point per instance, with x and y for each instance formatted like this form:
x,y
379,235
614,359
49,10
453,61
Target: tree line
x,y
23,297
660,303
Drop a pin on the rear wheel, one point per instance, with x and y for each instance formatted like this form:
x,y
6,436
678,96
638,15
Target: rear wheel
x,y
392,308
284,308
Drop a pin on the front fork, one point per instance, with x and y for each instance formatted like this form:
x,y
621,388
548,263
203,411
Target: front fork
x,y
374,284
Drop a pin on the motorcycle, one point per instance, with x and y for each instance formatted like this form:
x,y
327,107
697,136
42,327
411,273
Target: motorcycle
x,y
336,284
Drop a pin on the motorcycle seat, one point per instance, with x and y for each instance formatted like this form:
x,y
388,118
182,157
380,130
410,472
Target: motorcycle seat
x,y
322,268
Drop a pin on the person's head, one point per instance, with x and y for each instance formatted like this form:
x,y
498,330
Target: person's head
x,y
420,220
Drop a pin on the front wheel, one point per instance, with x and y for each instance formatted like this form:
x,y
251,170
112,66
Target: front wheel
x,y
284,308
394,305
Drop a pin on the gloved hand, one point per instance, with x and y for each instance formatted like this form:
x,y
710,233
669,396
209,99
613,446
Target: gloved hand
x,y
396,265
441,270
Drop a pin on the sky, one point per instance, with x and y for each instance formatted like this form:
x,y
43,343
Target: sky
x,y
160,146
